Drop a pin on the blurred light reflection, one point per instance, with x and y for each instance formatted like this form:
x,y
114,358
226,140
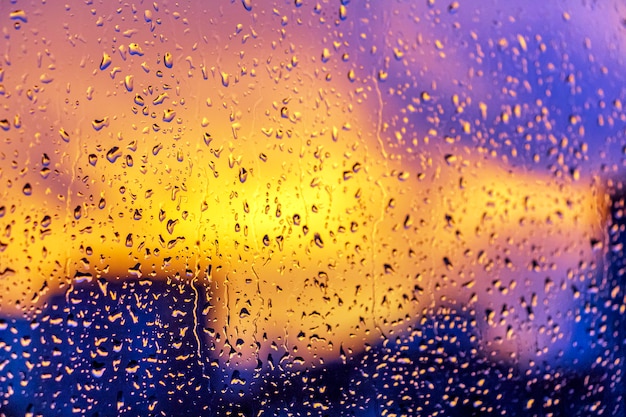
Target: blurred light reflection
x,y
205,205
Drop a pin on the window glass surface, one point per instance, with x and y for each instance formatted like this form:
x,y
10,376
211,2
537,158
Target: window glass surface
x,y
291,208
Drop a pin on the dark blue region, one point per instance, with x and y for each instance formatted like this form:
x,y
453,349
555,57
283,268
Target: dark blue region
x,y
131,348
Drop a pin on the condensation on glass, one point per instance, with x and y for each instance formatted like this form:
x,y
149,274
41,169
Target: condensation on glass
x,y
312,208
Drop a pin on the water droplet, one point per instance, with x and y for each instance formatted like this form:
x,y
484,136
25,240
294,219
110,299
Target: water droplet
x,y
450,159
106,61
243,175
18,15
343,12
93,159
113,154
46,221
318,240
135,49
27,190
99,124
78,212
129,83
225,79
170,225
97,369
168,60
168,115
160,98
408,221
247,4
64,135
325,55
207,138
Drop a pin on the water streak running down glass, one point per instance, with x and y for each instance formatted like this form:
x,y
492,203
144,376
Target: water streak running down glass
x,y
312,208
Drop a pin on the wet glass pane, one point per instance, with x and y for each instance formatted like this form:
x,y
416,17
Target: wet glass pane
x,y
300,208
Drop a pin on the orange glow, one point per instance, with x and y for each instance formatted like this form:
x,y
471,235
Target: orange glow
x,y
255,177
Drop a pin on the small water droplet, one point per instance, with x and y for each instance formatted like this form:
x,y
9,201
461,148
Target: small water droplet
x,y
168,60
408,221
318,240
113,154
135,49
343,12
27,190
168,115
243,175
325,55
207,138
280,240
450,159
46,221
99,124
225,79
97,369
105,62
170,225
64,135
129,83
18,15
